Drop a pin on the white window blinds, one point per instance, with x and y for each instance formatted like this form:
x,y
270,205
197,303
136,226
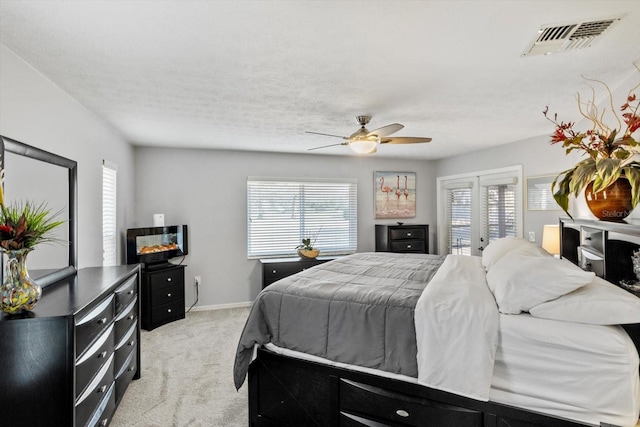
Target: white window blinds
x,y
109,236
281,212
458,217
501,207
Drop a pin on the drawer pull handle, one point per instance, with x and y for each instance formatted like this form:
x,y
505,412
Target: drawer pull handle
x,y
169,310
168,279
102,355
131,343
102,321
402,413
408,234
130,292
408,246
587,238
274,271
131,368
130,317
102,389
169,294
104,422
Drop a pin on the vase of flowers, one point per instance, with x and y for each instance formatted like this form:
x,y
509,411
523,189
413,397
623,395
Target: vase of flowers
x,y
610,175
22,227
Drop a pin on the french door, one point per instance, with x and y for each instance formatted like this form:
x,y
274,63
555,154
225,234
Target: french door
x,y
478,208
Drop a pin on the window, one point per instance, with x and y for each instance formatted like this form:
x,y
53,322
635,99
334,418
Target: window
x,y
476,209
109,241
281,212
459,226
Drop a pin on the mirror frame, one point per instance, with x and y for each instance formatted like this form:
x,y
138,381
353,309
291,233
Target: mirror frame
x,y
50,276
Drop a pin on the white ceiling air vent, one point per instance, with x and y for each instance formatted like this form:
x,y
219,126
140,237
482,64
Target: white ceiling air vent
x,y
561,38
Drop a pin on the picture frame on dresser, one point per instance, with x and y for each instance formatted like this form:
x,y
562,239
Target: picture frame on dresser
x,y
394,194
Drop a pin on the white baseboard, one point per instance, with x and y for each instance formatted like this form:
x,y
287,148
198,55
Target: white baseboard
x,y
221,306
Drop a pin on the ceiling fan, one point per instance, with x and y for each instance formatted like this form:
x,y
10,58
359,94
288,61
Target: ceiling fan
x,y
364,141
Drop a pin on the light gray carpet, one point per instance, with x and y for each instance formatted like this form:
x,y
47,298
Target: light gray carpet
x,y
187,374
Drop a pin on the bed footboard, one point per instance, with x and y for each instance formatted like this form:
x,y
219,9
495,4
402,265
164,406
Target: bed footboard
x,y
284,391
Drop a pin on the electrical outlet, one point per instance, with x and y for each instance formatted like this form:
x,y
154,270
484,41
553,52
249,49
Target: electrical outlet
x,y
198,280
532,236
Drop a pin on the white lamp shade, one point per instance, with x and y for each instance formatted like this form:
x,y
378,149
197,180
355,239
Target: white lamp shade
x,y
551,239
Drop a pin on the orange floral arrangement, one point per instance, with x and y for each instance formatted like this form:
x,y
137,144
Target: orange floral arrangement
x,y
613,151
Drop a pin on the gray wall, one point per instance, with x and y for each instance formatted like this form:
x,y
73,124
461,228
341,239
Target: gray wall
x,y
537,157
206,190
35,111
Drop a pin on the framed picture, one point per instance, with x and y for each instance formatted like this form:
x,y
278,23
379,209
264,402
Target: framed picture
x,y
394,194
539,195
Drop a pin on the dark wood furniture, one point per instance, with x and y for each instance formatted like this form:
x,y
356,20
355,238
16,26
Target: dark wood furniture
x,y
274,269
402,238
286,391
162,296
69,361
601,246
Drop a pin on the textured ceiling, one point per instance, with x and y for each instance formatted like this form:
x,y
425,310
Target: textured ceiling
x,y
255,75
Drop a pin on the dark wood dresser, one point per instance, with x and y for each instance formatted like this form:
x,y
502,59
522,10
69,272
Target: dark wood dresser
x,y
162,296
402,238
69,361
274,269
601,246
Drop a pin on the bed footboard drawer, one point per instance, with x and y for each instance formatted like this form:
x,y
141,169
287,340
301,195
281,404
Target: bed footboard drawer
x,y
360,404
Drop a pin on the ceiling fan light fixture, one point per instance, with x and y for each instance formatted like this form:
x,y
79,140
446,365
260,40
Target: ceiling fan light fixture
x,y
364,146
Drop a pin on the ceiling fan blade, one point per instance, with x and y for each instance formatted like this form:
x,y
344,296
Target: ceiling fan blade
x,y
386,130
404,140
326,134
325,146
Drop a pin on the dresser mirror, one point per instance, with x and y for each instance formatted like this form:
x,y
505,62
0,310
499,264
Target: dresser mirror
x,y
35,175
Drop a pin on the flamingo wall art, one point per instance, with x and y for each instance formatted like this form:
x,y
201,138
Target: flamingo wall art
x,y
395,194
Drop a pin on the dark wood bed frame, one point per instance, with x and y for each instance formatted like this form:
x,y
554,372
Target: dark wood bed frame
x,y
286,391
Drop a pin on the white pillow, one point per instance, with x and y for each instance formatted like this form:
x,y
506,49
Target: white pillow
x,y
520,281
597,303
499,248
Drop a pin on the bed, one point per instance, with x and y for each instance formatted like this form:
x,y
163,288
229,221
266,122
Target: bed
x,y
384,339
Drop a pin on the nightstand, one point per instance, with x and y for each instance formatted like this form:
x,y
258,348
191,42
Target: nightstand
x,y
274,269
402,238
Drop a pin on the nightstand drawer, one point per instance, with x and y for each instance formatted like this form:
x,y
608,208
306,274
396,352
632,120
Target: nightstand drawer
x,y
406,233
407,246
167,294
360,402
167,278
274,269
168,312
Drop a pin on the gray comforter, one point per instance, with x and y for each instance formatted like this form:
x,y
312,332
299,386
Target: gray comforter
x,y
357,309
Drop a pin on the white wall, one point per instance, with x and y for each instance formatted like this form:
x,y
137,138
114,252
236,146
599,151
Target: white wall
x,y
206,189
36,112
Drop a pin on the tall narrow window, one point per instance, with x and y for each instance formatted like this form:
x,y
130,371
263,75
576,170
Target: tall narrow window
x,y
109,193
281,212
501,207
458,209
